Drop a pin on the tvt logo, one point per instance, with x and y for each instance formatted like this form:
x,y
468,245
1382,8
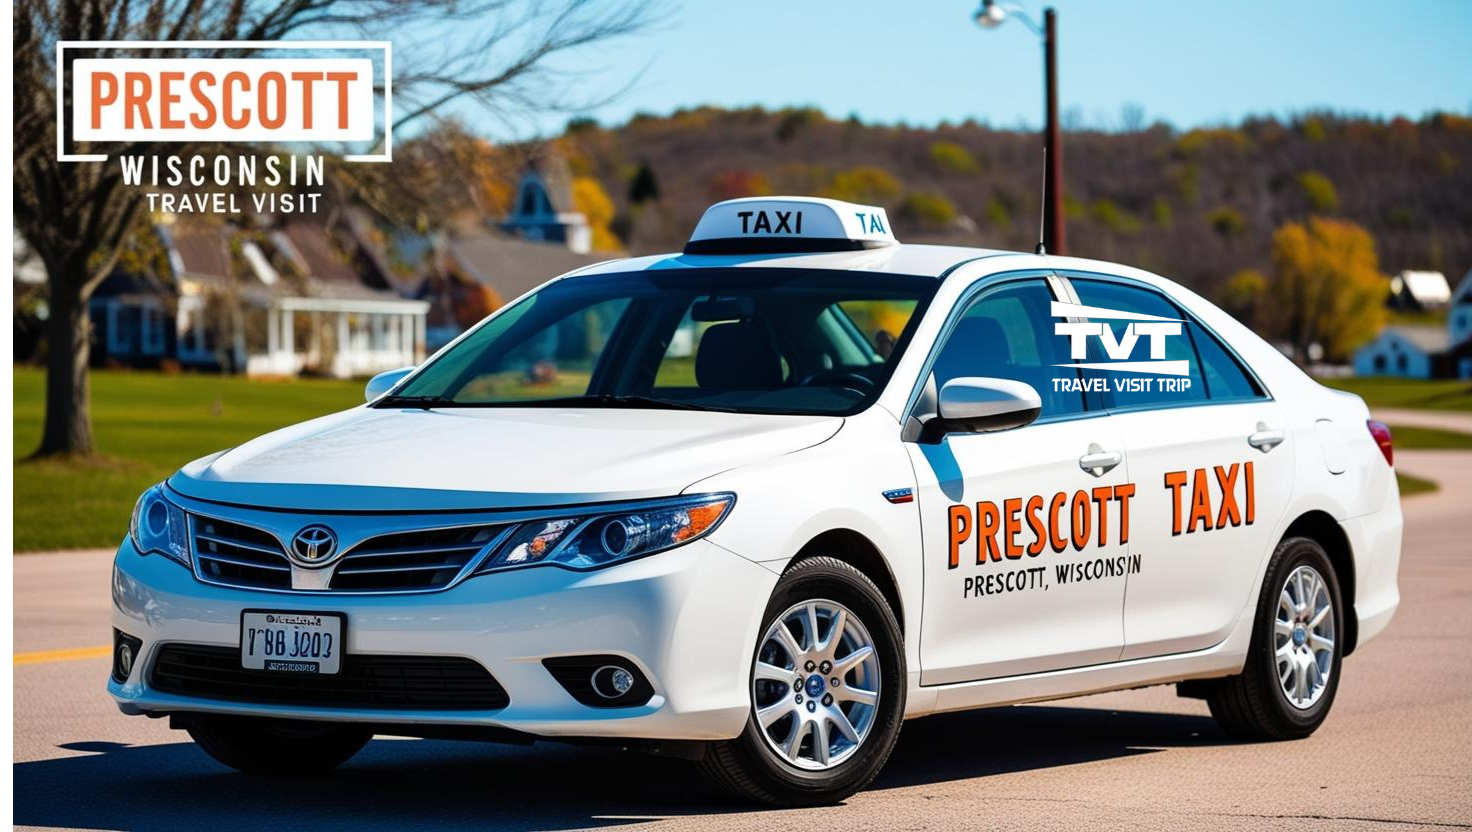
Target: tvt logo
x,y
1119,349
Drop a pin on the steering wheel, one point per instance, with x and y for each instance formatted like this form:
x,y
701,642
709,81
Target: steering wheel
x,y
841,379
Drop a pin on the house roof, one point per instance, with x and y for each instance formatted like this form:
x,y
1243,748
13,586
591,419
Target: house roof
x,y
1428,339
1463,292
328,275
513,266
201,253
1425,287
556,178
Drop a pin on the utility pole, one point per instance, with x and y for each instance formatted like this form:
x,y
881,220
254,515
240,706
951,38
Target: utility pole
x,y
992,14
1054,236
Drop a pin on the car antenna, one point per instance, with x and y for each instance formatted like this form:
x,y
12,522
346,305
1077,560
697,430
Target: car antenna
x,y
1043,210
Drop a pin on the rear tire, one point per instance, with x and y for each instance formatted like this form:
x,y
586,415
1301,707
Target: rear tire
x,y
755,766
277,746
1287,686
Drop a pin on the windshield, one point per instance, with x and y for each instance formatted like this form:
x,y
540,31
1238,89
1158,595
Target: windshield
x,y
739,340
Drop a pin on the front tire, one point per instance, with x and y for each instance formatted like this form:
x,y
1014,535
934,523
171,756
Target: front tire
x,y
809,741
1288,684
277,746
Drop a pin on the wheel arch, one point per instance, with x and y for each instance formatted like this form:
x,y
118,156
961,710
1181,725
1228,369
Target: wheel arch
x,y
857,551
1323,529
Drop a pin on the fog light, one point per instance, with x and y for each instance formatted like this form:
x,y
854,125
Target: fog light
x,y
125,649
611,682
602,680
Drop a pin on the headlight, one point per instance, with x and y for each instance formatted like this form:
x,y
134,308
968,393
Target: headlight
x,y
591,539
157,527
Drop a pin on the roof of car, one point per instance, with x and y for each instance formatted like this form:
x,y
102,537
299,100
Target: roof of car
x,y
918,260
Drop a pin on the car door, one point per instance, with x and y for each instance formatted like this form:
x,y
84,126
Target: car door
x,y
1024,530
1213,467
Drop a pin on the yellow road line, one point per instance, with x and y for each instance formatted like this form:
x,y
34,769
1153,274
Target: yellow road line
x,y
70,653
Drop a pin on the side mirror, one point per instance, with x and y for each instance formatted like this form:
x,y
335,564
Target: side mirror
x,y
980,405
384,382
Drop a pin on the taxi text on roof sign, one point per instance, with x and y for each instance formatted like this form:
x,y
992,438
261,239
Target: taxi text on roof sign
x,y
771,225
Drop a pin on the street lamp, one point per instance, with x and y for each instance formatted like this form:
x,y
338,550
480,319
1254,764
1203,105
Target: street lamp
x,y
992,14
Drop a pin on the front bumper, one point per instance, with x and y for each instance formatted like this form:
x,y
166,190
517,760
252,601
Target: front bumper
x,y
688,618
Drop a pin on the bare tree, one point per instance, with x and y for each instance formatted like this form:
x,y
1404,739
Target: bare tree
x,y
76,215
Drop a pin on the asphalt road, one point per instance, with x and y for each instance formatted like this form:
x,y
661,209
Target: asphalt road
x,y
1395,753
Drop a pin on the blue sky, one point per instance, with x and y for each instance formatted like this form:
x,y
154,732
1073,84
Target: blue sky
x,y
1188,62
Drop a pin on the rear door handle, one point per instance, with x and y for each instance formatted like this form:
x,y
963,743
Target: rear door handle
x,y
1264,439
1099,462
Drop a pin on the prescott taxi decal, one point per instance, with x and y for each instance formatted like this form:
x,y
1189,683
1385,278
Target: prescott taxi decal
x,y
1230,513
1086,514
1202,500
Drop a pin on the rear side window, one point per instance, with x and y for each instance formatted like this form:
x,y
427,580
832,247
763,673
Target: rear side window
x,y
1214,374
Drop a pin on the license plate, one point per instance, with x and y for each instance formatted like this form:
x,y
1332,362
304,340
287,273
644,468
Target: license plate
x,y
291,642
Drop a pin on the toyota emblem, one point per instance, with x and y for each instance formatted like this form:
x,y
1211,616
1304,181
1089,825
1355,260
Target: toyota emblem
x,y
314,546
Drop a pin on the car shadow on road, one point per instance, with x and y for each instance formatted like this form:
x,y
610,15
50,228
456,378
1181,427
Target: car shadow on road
x,y
409,784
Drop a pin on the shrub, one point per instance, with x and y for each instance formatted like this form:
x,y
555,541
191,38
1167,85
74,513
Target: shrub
x,y
865,183
928,209
998,212
1213,138
1113,217
643,187
1162,213
1242,295
1319,191
734,184
1227,222
953,158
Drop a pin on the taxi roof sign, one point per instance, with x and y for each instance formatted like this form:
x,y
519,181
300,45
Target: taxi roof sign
x,y
789,224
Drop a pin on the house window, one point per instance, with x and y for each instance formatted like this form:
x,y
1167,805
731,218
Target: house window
x,y
122,325
1400,362
151,329
1380,363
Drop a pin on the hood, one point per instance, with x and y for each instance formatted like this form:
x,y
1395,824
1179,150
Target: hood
x,y
488,458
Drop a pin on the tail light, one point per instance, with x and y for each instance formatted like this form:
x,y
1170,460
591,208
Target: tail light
x,y
1381,434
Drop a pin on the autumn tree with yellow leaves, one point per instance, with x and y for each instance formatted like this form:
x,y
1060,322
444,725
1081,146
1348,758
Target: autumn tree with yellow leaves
x,y
1325,288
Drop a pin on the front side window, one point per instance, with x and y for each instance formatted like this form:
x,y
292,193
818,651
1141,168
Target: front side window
x,y
1008,333
743,340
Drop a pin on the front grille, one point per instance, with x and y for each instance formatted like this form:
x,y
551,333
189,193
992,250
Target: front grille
x,y
239,555
427,559
365,681
417,560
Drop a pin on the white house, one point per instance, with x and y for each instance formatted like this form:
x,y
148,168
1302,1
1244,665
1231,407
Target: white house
x,y
1419,290
338,326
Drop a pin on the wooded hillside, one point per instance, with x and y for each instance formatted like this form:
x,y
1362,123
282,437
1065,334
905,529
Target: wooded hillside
x,y
1197,206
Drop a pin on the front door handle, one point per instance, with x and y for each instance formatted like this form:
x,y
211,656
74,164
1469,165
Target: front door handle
x,y
1098,461
1264,439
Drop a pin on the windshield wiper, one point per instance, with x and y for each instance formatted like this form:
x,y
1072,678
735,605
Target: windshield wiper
x,y
423,402
613,401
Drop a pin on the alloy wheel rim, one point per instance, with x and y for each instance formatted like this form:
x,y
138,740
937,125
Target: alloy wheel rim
x,y
815,685
1303,637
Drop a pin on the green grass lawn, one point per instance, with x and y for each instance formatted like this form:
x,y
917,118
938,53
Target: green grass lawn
x,y
1410,485
1407,437
1386,391
146,426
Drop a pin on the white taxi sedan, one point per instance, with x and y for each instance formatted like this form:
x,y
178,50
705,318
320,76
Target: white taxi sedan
x,y
759,502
